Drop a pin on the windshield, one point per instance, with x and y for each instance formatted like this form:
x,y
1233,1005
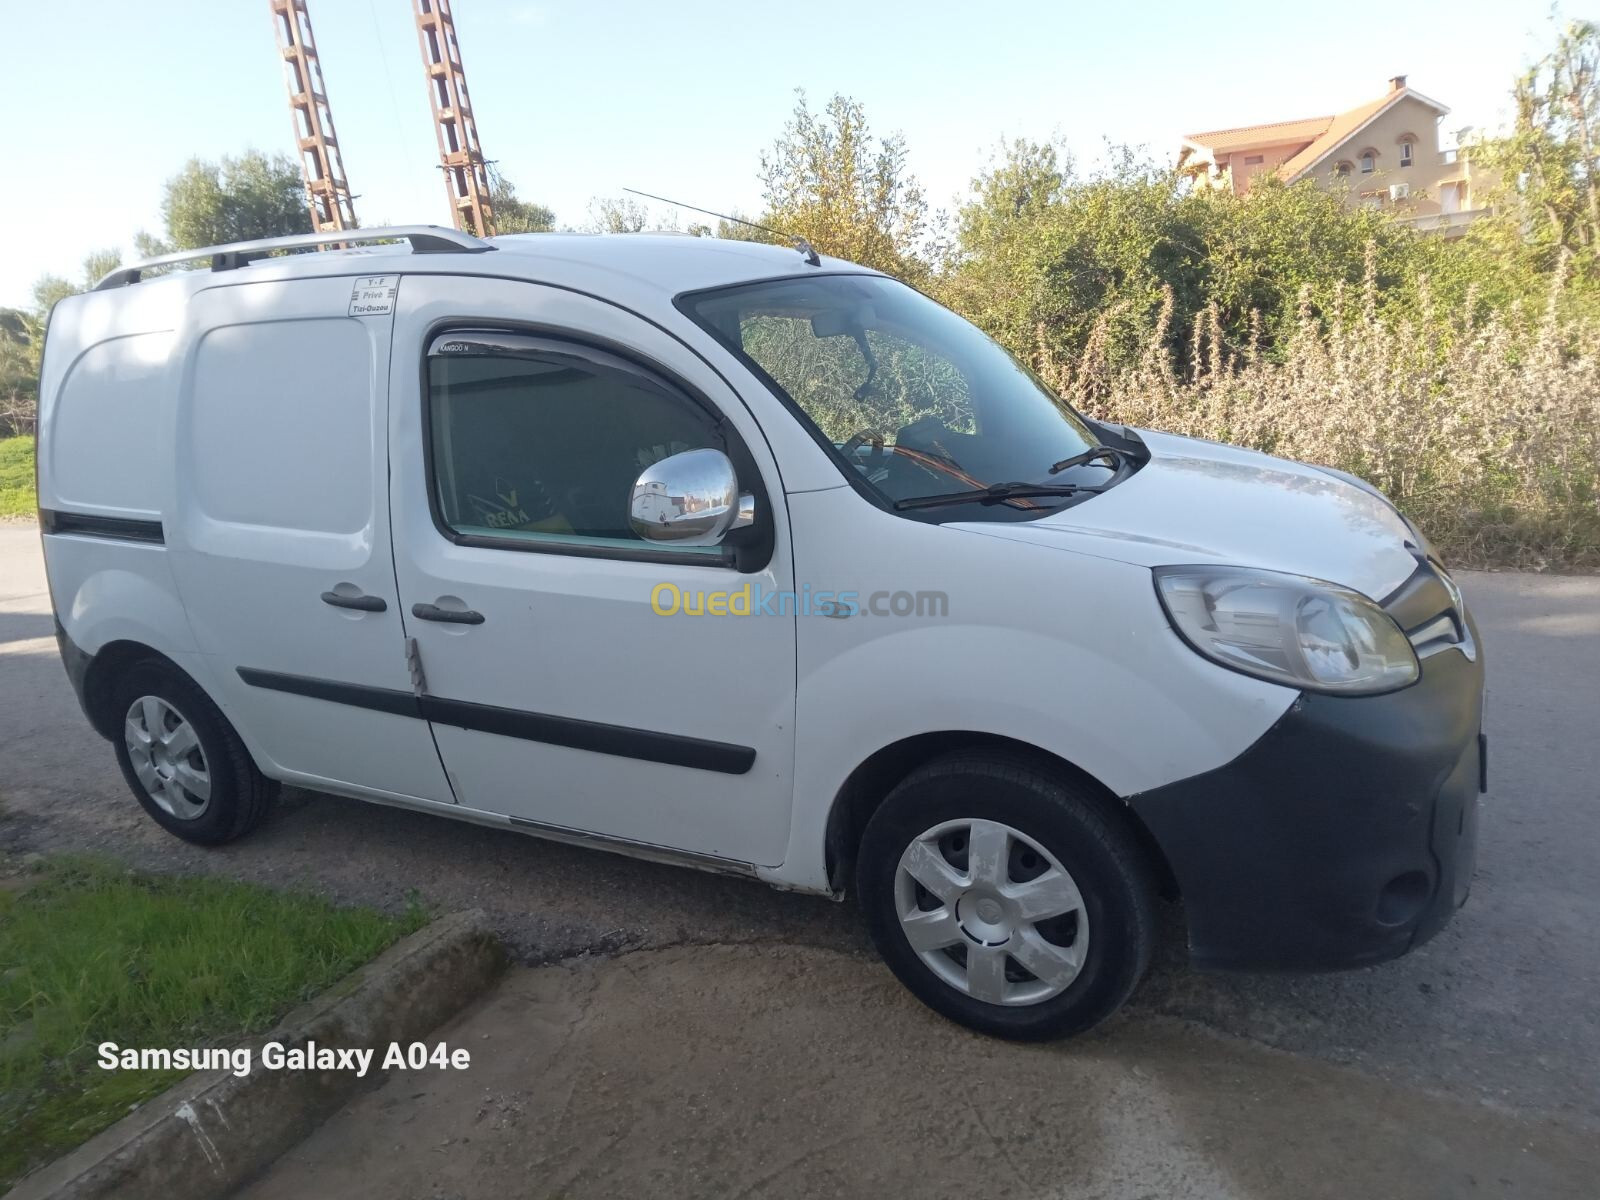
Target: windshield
x,y
919,402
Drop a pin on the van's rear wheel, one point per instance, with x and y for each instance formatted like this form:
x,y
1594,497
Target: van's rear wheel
x,y
1004,898
183,761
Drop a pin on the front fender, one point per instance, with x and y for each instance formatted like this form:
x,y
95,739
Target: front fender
x,y
1066,653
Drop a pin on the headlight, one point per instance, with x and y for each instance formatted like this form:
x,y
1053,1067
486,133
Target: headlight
x,y
1287,629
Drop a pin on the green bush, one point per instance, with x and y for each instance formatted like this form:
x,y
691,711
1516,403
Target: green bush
x,y
16,477
1484,432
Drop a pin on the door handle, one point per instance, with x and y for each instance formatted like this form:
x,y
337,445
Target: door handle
x,y
364,603
453,616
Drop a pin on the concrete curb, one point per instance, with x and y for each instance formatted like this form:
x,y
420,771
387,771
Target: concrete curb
x,y
205,1136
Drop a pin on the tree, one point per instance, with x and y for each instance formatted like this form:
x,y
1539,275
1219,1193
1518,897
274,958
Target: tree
x,y
1046,261
1042,259
22,341
1548,165
97,264
231,200
741,230
513,214
1002,271
49,290
829,180
1025,180
1258,252
620,215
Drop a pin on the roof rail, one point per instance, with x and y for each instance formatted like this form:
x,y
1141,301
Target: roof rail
x,y
424,239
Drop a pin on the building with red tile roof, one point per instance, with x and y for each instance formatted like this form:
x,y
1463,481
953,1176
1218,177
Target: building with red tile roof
x,y
1384,153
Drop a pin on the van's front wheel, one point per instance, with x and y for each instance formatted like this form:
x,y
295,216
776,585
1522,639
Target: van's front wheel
x,y
183,761
1004,899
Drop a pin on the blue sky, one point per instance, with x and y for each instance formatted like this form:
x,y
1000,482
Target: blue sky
x,y
580,100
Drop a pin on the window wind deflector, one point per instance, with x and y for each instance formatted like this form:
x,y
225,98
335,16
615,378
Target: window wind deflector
x,y
500,343
994,494
493,341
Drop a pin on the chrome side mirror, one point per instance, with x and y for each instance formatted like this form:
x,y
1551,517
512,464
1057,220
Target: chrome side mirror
x,y
690,499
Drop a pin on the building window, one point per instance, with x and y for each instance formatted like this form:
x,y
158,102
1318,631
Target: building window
x,y
1406,151
1343,169
1369,161
1254,160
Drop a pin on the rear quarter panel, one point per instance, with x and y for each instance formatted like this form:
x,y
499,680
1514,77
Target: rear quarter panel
x,y
105,449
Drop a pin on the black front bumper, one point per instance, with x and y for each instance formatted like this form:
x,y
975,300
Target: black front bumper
x,y
1346,835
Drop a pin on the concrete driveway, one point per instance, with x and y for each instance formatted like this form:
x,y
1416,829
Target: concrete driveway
x,y
781,1071
1500,1010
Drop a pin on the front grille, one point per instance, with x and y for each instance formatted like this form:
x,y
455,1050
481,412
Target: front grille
x,y
1428,606
1441,633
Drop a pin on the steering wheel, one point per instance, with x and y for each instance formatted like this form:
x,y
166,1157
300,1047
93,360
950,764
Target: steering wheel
x,y
876,436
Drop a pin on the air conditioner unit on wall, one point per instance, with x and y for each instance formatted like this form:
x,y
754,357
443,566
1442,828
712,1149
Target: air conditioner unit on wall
x,y
1399,191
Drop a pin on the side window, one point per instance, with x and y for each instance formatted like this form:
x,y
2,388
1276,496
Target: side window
x,y
539,440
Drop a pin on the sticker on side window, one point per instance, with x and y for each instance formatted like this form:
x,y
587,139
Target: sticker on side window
x,y
373,295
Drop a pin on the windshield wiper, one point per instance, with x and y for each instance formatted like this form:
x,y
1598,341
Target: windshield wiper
x,y
993,494
1117,457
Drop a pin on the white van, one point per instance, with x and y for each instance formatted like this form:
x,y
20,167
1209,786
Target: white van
x,y
764,563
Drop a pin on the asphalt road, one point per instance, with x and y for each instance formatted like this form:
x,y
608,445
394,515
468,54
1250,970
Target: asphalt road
x,y
1501,1008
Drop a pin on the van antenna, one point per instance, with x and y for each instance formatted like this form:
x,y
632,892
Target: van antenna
x,y
806,250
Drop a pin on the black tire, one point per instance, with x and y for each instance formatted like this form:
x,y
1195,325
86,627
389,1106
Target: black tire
x,y
240,795
1066,818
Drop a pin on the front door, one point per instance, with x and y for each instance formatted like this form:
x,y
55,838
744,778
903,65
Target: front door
x,y
559,695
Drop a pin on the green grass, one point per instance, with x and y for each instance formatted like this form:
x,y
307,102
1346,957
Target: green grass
x,y
16,477
90,952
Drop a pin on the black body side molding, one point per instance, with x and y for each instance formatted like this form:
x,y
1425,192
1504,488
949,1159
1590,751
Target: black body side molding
x,y
117,529
621,740
388,700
